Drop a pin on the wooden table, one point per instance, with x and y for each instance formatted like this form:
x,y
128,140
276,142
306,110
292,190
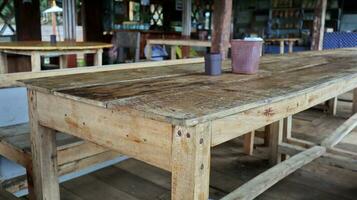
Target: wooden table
x,y
176,42
36,49
282,41
171,117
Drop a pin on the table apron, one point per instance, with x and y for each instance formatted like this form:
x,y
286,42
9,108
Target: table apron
x,y
50,52
144,139
228,128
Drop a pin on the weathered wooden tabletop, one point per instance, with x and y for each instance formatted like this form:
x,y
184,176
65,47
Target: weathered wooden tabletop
x,y
184,95
47,46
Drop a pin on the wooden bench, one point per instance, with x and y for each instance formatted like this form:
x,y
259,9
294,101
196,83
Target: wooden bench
x,y
6,195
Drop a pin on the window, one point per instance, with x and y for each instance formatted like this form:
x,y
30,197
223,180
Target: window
x,y
157,16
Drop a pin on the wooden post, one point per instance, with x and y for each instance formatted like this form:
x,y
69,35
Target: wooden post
x,y
191,152
69,29
35,62
3,64
69,19
28,20
44,155
276,138
319,25
249,143
222,16
186,25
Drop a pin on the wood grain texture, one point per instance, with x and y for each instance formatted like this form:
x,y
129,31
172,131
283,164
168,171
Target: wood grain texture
x,y
182,99
44,155
191,153
46,46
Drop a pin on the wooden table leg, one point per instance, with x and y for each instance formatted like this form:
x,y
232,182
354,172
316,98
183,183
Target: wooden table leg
x,y
44,155
63,61
3,64
291,46
173,52
35,62
354,105
98,58
276,138
282,47
149,55
287,128
191,152
249,143
332,106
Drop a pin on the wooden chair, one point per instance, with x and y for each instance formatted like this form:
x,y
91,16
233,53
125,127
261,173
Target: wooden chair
x,y
124,42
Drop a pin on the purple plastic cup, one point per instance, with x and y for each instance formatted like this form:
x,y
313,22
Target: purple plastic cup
x,y
213,64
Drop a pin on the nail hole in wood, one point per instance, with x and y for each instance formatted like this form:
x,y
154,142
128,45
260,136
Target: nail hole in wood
x,y
202,166
188,135
179,133
201,141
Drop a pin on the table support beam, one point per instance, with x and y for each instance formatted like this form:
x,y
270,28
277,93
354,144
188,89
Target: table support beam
x,y
191,162
44,155
265,180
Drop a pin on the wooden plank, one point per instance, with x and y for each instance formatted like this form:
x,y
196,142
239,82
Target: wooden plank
x,y
342,131
44,154
10,80
152,140
263,115
47,46
276,138
249,143
222,26
264,181
180,42
326,159
191,162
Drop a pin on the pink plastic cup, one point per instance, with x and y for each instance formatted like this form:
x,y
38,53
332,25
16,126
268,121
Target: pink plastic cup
x,y
246,56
